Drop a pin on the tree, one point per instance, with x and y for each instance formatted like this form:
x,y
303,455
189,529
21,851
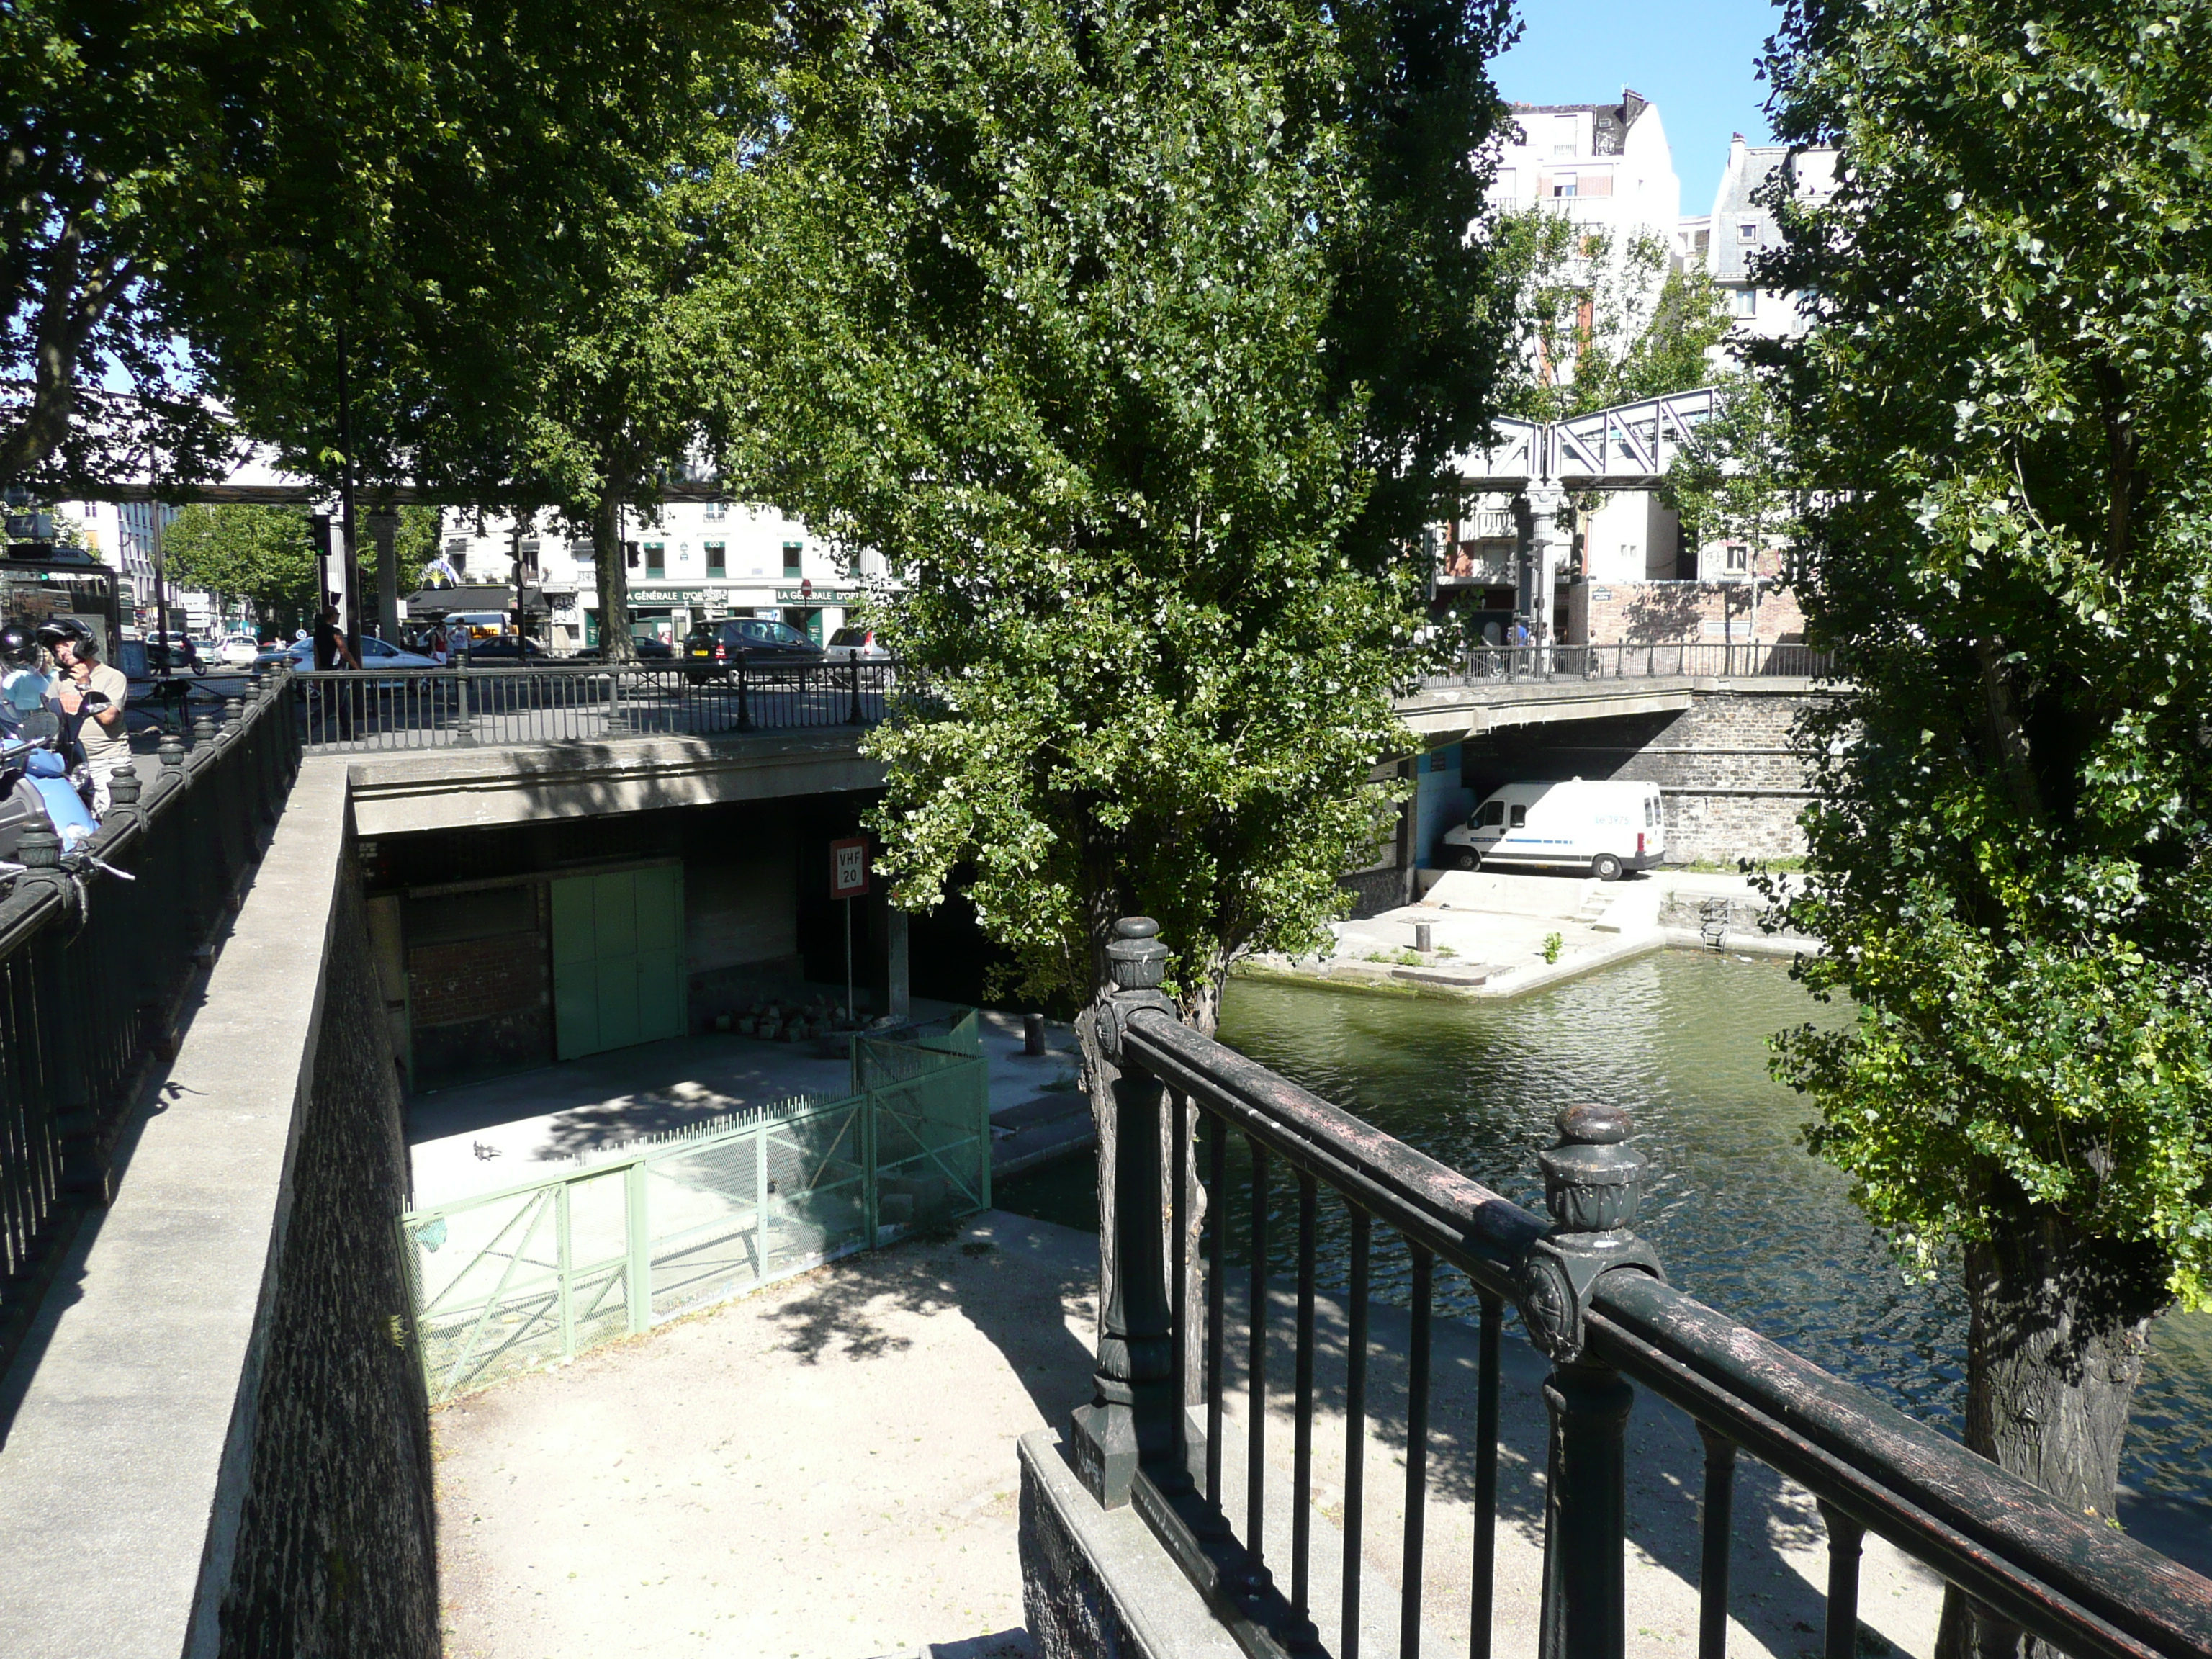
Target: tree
x,y
1732,481
2004,409
1599,321
262,555
1137,340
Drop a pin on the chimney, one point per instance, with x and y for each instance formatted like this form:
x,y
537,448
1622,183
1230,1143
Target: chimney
x,y
1632,104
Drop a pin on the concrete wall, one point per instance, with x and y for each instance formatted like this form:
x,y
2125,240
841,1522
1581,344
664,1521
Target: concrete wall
x,y
215,1437
1732,789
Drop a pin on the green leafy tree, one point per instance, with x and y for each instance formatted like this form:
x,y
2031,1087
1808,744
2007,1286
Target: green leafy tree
x,y
1136,339
1598,320
1732,481
2003,410
262,556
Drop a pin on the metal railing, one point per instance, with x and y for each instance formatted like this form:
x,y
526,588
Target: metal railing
x,y
1595,1303
460,707
94,970
1483,665
537,1272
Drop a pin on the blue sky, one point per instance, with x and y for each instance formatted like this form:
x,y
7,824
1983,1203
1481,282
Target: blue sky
x,y
1694,58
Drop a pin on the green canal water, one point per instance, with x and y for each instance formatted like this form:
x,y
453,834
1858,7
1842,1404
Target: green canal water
x,y
1742,1216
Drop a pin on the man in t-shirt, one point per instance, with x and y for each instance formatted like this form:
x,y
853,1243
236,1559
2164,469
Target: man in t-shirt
x,y
99,731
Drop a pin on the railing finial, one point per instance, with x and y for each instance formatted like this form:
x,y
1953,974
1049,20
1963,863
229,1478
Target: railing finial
x,y
1592,1185
1135,958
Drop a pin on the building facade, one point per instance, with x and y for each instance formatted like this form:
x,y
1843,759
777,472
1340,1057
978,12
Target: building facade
x,y
1726,241
691,562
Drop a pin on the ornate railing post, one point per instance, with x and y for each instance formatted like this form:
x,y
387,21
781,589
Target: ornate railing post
x,y
1591,1180
465,735
1131,1417
853,716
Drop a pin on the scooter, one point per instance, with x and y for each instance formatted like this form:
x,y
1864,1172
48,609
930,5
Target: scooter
x,y
36,791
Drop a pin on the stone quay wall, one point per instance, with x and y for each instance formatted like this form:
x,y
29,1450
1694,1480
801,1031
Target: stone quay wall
x,y
1732,789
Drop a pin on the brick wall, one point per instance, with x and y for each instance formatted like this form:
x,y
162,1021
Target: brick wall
x,y
336,1544
476,979
1668,613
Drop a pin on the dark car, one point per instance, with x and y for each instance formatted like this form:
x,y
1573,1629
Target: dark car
x,y
505,649
712,648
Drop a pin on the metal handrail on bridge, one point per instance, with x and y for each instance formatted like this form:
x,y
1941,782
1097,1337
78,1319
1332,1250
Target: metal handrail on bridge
x,y
1502,664
466,706
1596,1304
94,970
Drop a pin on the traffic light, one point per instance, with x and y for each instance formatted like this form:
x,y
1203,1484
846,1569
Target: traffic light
x,y
318,527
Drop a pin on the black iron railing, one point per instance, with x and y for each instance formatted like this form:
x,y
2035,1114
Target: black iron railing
x,y
1595,1303
377,708
1696,660
94,970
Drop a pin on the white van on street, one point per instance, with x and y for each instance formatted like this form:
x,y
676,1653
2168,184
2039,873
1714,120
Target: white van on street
x,y
1601,828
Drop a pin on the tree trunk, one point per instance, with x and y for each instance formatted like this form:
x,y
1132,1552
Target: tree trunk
x,y
615,644
2055,1346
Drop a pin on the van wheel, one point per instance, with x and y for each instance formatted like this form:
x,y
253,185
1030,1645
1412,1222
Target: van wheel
x,y
1464,859
1606,867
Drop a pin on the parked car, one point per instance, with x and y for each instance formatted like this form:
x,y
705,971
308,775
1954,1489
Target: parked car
x,y
238,651
855,645
1602,829
714,648
505,649
374,654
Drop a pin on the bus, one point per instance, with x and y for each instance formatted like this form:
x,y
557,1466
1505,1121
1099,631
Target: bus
x,y
39,582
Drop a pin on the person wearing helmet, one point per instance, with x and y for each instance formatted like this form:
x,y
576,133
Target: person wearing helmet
x,y
23,681
98,732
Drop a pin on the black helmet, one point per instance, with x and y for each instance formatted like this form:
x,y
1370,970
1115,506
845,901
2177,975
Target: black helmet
x,y
57,631
16,645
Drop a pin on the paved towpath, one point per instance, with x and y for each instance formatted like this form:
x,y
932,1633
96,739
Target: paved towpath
x,y
826,1470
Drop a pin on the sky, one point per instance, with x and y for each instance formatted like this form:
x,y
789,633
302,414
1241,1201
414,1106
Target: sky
x,y
1696,59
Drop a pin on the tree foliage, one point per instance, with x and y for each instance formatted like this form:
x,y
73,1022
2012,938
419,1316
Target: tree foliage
x,y
2005,408
1598,319
1135,338
262,555
1734,478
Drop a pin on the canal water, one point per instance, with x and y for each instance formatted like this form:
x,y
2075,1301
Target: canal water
x,y
1743,1217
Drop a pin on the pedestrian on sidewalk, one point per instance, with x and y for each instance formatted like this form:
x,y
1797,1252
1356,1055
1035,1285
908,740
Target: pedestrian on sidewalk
x,y
332,694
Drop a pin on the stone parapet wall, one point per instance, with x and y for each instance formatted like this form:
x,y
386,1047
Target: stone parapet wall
x,y
336,1547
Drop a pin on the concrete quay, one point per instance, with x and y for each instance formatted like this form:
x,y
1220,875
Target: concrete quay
x,y
1489,932
827,1469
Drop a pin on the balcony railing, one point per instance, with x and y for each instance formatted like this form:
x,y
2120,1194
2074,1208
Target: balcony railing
x,y
1595,1303
377,708
1482,665
94,970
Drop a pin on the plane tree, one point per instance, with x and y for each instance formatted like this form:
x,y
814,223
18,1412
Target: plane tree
x,y
1136,340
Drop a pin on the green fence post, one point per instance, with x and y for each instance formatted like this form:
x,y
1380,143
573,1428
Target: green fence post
x,y
760,1198
868,1170
983,1129
564,1261
639,1274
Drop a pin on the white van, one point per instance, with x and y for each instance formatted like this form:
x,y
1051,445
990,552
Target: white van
x,y
1602,828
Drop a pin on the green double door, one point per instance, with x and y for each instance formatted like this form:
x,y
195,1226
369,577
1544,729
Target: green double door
x,y
619,973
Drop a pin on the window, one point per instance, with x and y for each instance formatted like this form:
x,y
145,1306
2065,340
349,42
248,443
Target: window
x,y
717,561
792,552
1493,814
456,547
717,511
1747,231
1564,184
629,555
1520,818
656,559
1739,557
1745,301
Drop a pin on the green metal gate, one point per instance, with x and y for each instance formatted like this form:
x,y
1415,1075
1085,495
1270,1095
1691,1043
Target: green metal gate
x,y
510,1280
618,974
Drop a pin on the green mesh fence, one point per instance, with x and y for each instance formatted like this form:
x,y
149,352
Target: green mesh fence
x,y
533,1274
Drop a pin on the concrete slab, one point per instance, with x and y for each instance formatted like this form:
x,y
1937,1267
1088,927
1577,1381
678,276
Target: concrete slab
x,y
827,1469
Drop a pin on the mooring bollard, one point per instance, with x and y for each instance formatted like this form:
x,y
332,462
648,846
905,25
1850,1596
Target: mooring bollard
x,y
1423,935
1033,1036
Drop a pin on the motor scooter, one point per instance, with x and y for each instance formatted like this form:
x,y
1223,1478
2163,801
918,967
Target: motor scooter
x,y
36,789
